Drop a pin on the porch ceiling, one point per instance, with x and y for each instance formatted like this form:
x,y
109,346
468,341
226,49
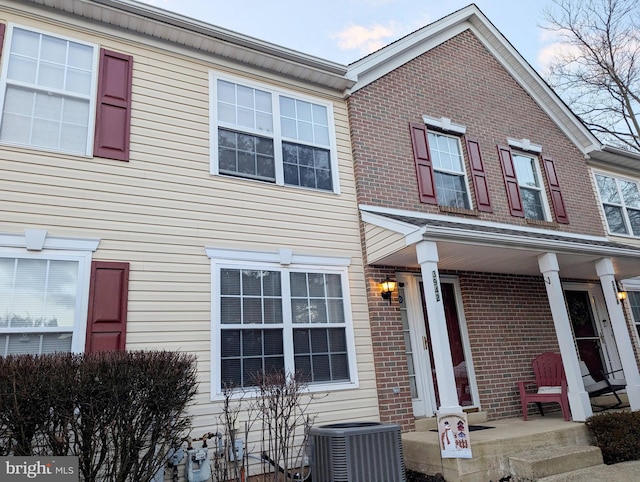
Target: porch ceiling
x,y
499,249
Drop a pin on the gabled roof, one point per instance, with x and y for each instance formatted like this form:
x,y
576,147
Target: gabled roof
x,y
160,24
389,58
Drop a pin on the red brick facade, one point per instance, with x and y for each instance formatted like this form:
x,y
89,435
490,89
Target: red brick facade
x,y
460,80
508,317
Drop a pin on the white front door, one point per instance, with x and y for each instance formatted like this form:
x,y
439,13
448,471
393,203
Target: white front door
x,y
424,389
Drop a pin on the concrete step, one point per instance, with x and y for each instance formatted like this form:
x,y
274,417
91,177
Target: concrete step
x,y
431,423
625,471
541,462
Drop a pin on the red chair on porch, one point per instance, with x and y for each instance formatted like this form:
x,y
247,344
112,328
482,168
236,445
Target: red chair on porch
x,y
550,385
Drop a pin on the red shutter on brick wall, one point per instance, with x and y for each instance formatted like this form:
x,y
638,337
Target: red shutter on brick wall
x,y
424,168
108,296
554,187
113,110
511,182
2,29
483,202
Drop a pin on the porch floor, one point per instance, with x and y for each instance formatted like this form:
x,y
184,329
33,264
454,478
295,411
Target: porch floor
x,y
496,450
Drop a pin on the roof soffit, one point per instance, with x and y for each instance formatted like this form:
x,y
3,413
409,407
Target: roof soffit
x,y
166,26
389,58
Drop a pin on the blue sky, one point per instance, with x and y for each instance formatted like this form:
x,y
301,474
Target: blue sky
x,y
345,30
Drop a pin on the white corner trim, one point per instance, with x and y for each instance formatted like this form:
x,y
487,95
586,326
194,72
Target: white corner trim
x,y
39,240
283,256
524,144
444,123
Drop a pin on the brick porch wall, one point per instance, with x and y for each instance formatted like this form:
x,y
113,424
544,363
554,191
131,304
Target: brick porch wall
x,y
509,323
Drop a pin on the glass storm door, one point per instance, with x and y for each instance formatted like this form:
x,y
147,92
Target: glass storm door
x,y
424,387
591,328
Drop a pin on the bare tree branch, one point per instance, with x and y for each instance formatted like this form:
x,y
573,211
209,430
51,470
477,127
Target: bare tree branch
x,y
596,72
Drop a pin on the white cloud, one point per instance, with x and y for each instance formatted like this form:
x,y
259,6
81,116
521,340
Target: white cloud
x,y
375,36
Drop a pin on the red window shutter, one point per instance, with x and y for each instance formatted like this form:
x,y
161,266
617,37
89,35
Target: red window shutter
x,y
108,296
424,168
2,29
511,181
480,186
113,110
554,187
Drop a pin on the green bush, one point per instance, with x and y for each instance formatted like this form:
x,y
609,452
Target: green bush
x,y
118,412
617,434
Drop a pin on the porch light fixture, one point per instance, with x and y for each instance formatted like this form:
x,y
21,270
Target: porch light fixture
x,y
387,287
621,294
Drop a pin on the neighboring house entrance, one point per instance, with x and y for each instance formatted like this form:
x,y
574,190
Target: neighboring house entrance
x,y
591,327
424,388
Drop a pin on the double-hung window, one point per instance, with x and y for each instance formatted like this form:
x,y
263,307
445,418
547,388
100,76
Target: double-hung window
x,y
274,136
290,317
47,92
621,204
43,294
449,170
531,187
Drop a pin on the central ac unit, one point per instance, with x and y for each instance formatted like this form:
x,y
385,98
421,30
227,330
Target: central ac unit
x,y
357,452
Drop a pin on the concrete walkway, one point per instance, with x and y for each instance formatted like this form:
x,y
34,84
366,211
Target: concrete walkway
x,y
622,472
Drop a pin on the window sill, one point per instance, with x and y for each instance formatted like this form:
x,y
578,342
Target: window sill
x,y
466,212
538,222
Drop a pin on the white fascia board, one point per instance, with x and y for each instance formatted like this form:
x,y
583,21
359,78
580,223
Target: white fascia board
x,y
387,223
474,222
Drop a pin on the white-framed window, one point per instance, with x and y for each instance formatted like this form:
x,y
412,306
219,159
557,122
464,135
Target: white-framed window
x,y
449,170
620,200
44,292
532,192
280,311
634,303
47,91
262,133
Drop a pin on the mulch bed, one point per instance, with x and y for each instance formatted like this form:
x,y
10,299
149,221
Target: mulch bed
x,y
418,477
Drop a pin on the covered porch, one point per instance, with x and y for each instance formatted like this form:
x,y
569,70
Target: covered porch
x,y
590,268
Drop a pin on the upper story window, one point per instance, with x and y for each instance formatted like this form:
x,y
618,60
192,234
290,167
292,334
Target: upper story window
x,y
621,204
441,168
270,315
531,187
526,192
48,89
264,134
449,170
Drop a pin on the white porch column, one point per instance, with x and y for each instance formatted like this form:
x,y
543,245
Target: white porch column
x,y
604,269
427,253
578,397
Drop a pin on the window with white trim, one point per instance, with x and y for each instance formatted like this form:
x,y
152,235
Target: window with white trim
x,y
293,317
47,91
620,200
269,135
634,303
43,301
531,187
449,170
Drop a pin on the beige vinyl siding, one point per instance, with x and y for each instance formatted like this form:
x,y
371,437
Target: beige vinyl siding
x,y
381,242
162,208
